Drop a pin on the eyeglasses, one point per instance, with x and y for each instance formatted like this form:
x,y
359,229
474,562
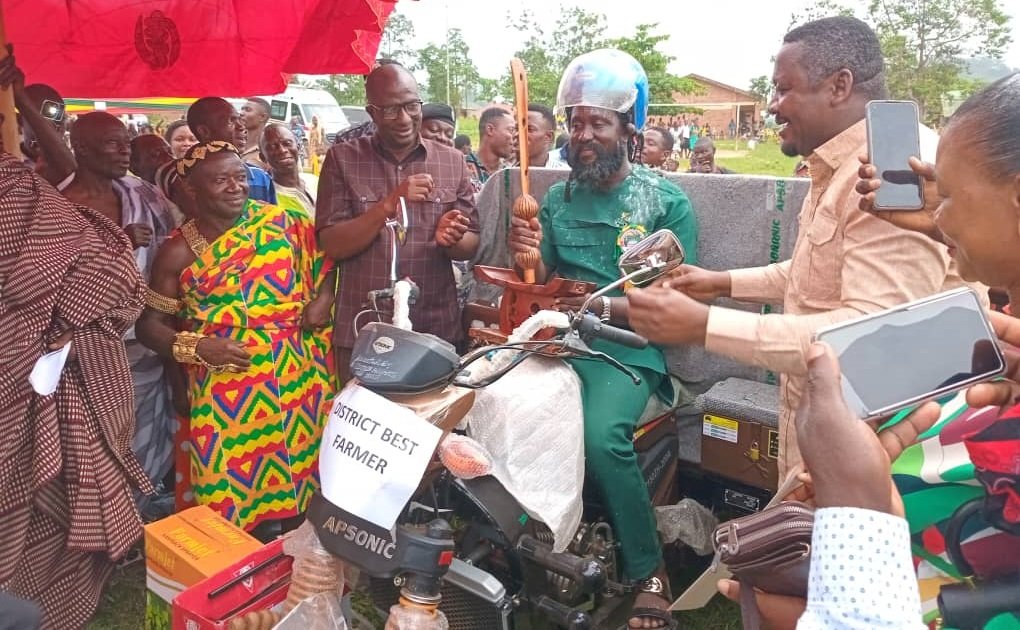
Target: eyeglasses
x,y
390,112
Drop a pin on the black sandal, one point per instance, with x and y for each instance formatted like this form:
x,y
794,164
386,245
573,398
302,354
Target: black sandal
x,y
654,586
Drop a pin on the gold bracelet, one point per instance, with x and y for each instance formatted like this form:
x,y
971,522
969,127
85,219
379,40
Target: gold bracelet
x,y
185,350
185,347
161,303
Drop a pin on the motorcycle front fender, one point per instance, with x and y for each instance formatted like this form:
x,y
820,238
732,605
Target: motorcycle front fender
x,y
502,510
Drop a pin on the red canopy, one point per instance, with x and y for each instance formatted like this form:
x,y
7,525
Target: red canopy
x,y
136,48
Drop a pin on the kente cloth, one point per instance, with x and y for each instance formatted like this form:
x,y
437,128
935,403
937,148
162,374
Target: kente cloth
x,y
66,466
936,476
255,435
302,201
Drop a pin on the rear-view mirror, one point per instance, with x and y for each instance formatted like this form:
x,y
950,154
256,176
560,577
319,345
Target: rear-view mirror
x,y
655,255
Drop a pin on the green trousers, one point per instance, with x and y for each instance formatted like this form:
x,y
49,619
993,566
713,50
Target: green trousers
x,y
612,406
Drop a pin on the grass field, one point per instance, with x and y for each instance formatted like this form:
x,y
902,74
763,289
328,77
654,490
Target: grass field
x,y
123,603
765,159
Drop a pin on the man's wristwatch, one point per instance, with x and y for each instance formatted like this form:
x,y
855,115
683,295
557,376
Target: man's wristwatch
x,y
606,310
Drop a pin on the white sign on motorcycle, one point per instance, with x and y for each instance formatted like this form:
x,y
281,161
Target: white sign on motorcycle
x,y
374,453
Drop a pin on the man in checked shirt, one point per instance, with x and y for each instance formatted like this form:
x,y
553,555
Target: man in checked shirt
x,y
361,186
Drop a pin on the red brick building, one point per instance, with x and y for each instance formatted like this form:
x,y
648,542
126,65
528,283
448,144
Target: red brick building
x,y
719,104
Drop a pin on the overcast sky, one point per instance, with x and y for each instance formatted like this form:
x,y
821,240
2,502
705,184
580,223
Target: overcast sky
x,y
733,49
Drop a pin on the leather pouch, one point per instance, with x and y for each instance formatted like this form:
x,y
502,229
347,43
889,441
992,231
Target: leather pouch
x,y
770,551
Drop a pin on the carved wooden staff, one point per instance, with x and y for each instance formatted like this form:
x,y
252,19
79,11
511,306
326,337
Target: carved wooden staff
x,y
525,206
9,127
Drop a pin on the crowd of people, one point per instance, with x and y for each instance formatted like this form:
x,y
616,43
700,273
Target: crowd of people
x,y
209,297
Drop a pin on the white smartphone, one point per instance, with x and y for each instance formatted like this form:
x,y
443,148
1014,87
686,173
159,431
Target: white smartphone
x,y
894,135
919,351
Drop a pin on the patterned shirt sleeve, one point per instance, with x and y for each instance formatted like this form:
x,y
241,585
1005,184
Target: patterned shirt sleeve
x,y
861,573
332,201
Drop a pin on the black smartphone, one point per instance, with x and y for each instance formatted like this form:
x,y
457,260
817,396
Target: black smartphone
x,y
919,351
894,137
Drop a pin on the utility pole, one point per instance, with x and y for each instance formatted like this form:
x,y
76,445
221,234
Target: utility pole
x,y
447,46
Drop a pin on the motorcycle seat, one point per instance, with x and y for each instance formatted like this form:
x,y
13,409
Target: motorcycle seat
x,y
444,408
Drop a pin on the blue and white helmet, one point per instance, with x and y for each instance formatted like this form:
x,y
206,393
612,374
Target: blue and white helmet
x,y
606,78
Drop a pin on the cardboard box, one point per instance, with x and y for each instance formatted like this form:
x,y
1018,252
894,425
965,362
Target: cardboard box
x,y
257,582
186,548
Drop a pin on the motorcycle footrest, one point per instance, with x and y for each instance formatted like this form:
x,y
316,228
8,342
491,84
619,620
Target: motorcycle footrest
x,y
589,573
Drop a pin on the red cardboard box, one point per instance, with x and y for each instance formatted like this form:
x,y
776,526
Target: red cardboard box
x,y
184,549
257,582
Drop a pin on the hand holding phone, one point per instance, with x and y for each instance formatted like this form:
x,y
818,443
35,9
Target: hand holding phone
x,y
916,352
922,222
894,138
847,462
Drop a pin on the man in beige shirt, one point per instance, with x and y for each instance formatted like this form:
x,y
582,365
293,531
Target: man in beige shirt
x,y
845,263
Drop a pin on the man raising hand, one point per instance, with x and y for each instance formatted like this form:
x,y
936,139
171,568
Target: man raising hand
x,y
363,184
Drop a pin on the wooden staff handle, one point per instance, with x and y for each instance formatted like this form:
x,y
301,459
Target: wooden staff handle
x,y
525,206
9,127
520,76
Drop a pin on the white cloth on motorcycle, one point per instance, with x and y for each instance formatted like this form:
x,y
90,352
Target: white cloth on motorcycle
x,y
532,423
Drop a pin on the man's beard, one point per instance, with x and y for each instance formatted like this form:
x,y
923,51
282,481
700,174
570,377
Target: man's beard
x,y
605,165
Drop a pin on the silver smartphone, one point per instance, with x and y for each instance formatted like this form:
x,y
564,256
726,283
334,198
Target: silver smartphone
x,y
894,135
919,351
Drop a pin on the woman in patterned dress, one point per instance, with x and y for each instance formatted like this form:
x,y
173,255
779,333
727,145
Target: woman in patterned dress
x,y
241,280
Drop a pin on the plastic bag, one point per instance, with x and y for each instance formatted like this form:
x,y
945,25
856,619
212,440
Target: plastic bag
x,y
464,457
254,620
415,618
531,423
315,569
318,612
688,522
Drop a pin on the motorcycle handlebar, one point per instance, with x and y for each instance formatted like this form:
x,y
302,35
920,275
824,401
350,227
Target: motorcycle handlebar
x,y
590,326
966,606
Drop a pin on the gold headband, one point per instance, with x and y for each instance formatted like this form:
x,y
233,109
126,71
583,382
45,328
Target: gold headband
x,y
201,151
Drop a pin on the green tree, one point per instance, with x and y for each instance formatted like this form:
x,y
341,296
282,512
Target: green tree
x,y
578,31
762,88
546,55
488,89
396,39
820,9
349,89
925,44
643,46
452,75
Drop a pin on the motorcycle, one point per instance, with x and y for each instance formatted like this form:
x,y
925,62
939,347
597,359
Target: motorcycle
x,y
468,543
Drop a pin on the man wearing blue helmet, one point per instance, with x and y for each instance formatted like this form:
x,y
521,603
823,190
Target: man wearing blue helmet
x,y
585,223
